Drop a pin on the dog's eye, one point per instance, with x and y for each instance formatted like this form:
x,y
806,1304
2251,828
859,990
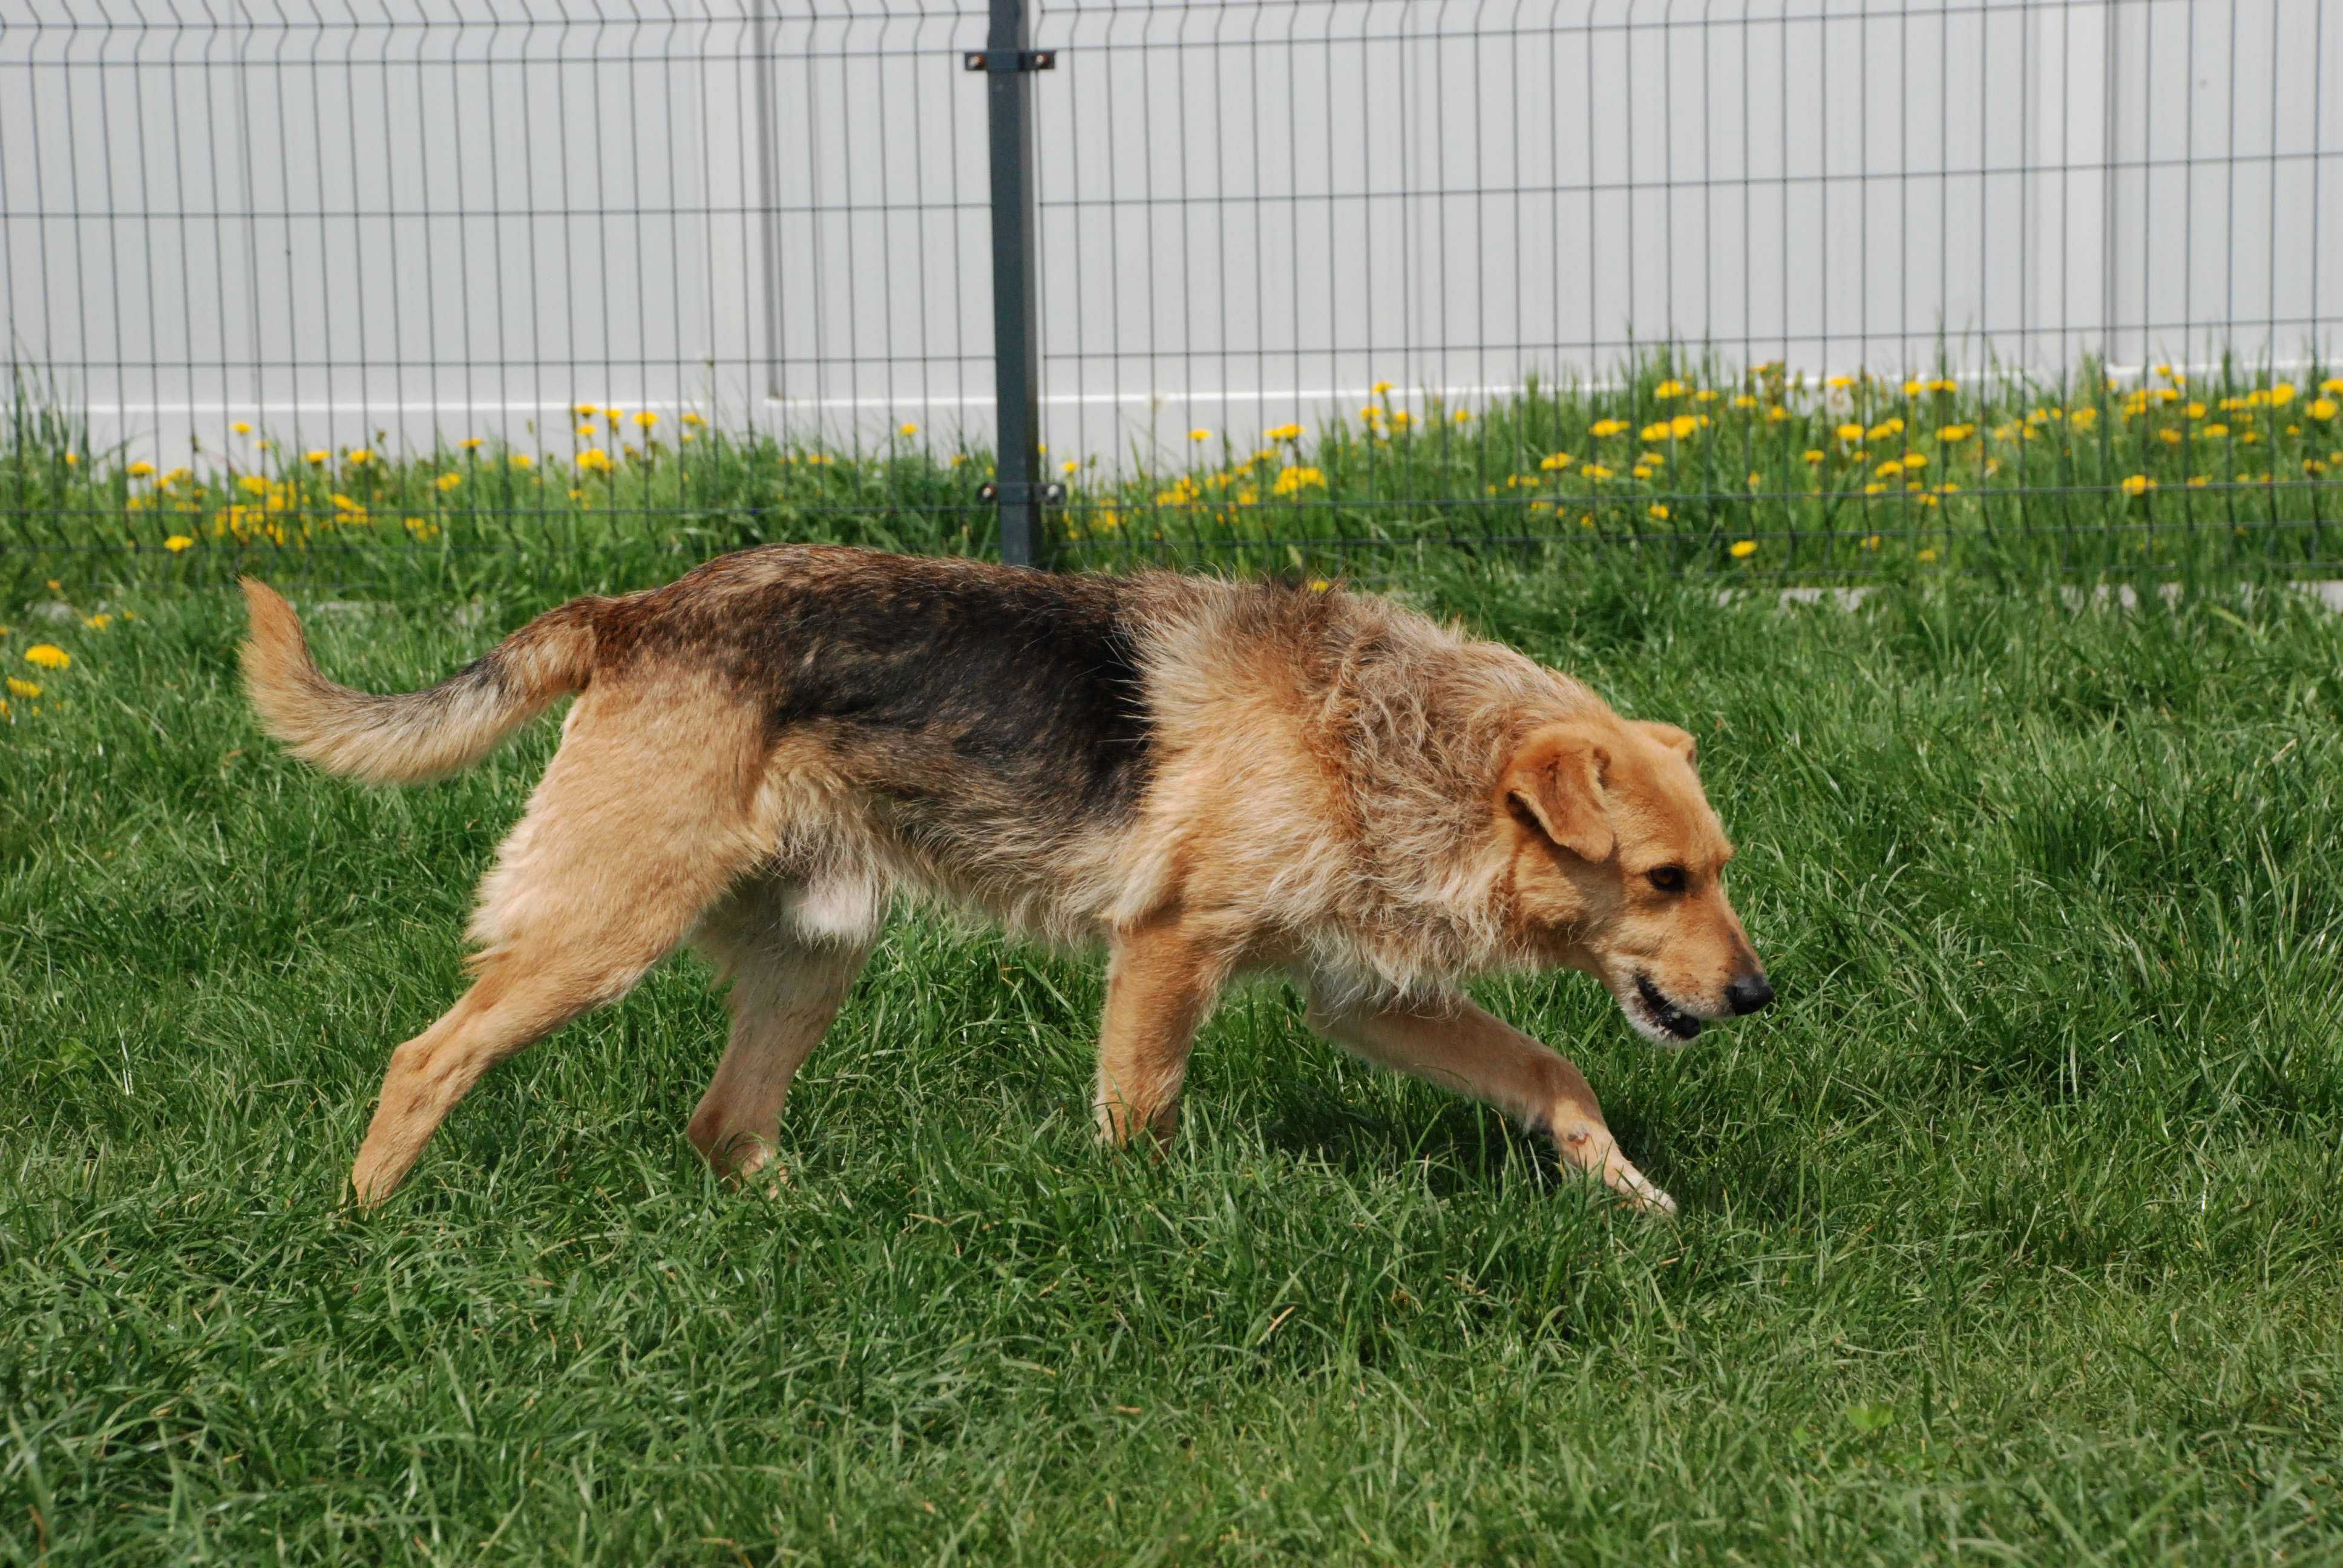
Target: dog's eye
x,y
1668,878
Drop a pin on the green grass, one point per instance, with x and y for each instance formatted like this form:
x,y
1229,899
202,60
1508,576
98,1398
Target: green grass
x,y
1680,459
2010,1235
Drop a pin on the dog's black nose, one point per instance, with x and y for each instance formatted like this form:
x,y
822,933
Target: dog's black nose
x,y
1748,993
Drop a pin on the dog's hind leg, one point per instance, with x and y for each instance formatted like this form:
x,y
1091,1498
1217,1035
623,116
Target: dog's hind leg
x,y
639,824
1160,981
1459,1046
785,989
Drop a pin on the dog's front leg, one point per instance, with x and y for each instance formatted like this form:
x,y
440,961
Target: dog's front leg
x,y
1462,1047
1162,978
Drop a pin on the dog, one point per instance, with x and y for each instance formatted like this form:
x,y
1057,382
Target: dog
x,y
1209,777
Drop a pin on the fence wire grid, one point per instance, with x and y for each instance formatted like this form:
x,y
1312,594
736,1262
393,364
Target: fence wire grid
x,y
1824,288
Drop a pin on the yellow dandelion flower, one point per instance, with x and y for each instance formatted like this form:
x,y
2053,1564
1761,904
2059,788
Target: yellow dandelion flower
x,y
1839,383
1755,479
1667,389
1913,388
48,655
241,429
1463,416
594,460
522,460
1885,429
1640,472
2196,479
73,459
1874,488
1658,432
1952,434
97,622
2082,418
1814,453
140,470
24,689
1657,512
1557,462
1401,418
2323,410
1597,471
2138,485
2169,437
1890,468
583,410
1944,384
1199,433
1849,432
1871,541
2214,431
448,481
646,419
1283,432
614,415
2281,394
1604,430
1379,388
1742,549
1925,556
2165,371
1069,467
1745,401
252,484
176,543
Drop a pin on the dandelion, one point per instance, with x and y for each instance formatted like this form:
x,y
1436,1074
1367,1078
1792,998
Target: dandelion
x,y
646,419
1604,430
1401,418
614,415
1776,415
1597,471
2138,485
2082,418
2323,410
1742,549
358,457
2281,394
1871,541
2215,432
1658,432
1849,432
587,432
1667,389
1952,435
73,459
140,470
583,410
1557,462
1199,433
48,655
1913,388
27,689
1463,416
1371,413
593,460
97,622
1069,467
1814,453
1839,383
1890,468
1745,401
252,485
2165,371
1379,388
1881,431
1658,512
1288,432
176,543
448,481
1641,472
2169,437
1755,479
2196,480
1292,482
1874,488
522,461
1683,424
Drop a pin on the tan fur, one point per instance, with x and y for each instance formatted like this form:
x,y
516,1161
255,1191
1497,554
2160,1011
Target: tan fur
x,y
1336,788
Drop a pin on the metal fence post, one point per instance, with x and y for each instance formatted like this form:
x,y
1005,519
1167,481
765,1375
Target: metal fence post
x,y
1008,61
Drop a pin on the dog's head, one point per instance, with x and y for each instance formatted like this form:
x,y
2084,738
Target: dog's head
x,y
1618,868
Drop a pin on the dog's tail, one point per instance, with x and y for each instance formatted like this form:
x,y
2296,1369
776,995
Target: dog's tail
x,y
409,737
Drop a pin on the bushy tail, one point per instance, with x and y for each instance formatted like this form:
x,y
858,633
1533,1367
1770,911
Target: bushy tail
x,y
411,736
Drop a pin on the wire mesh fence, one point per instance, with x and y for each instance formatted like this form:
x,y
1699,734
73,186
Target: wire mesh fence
x,y
1817,288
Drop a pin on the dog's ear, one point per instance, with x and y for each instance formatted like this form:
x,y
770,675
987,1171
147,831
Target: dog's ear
x,y
1679,741
1556,777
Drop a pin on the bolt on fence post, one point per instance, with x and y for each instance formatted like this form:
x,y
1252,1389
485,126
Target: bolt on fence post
x,y
1008,63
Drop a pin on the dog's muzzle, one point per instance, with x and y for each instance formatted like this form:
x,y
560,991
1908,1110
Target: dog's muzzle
x,y
1662,1015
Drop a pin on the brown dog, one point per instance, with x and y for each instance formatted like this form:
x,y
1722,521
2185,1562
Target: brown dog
x,y
1211,776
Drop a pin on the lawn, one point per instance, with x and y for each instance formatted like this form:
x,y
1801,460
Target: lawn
x,y
1677,457
2010,1235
